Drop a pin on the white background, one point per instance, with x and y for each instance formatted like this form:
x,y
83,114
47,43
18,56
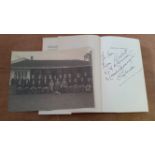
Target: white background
x,y
77,17
77,138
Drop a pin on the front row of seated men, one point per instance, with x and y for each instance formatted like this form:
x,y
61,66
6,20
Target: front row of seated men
x,y
76,85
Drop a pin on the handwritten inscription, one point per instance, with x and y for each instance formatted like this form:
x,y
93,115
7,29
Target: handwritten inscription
x,y
118,63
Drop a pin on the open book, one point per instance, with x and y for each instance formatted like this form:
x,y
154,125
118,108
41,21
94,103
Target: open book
x,y
79,74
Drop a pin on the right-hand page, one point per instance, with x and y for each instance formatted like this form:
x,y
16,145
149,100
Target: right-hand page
x,y
123,82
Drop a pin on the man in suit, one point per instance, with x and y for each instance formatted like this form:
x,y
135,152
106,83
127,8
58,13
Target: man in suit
x,y
88,87
19,86
57,87
64,86
70,83
51,85
45,87
75,85
82,85
13,85
39,85
27,86
33,86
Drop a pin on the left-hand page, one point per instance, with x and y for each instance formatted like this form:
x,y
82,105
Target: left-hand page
x,y
76,42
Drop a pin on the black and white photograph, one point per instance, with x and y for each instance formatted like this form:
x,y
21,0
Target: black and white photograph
x,y
51,80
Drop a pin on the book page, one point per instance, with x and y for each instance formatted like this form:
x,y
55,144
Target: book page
x,y
80,41
123,83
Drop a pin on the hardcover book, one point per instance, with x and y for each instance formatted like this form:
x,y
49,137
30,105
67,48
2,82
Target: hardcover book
x,y
79,74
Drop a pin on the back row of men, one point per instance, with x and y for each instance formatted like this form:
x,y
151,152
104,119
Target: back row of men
x,y
53,84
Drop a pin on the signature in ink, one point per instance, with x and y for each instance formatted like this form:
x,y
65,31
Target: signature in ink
x,y
118,63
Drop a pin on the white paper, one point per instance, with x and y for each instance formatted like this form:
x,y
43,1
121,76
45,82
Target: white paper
x,y
50,44
123,83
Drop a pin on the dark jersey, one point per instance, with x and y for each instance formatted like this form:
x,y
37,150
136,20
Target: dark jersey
x,y
75,81
19,83
14,82
82,81
78,80
70,82
33,82
39,83
44,83
24,83
27,83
